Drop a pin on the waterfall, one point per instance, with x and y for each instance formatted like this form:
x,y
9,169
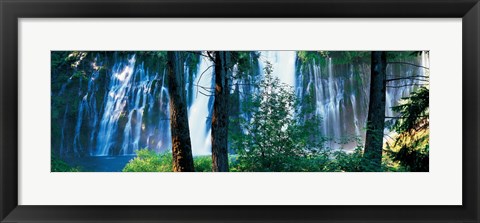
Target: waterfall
x,y
121,103
342,95
160,137
283,64
115,102
133,112
199,112
136,111
87,108
138,101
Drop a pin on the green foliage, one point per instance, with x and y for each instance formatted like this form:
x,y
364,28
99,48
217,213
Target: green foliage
x,y
150,161
75,58
58,165
324,161
58,58
192,60
79,74
402,55
273,140
349,57
338,57
311,56
342,161
413,157
347,162
411,146
202,163
247,63
414,112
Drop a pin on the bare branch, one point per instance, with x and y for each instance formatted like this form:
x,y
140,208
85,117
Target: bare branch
x,y
203,87
406,85
208,95
209,90
246,84
388,136
416,77
201,75
411,64
210,56
401,117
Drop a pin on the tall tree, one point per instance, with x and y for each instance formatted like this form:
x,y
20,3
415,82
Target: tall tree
x,y
376,111
181,144
220,117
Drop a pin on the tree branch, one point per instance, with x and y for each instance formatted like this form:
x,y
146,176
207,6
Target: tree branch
x,y
201,75
203,87
409,77
389,136
411,64
406,85
208,95
245,84
401,117
210,56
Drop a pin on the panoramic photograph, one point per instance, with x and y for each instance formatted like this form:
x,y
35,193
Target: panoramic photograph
x,y
240,111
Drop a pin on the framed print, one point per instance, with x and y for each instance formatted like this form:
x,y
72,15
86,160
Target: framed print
x,y
161,111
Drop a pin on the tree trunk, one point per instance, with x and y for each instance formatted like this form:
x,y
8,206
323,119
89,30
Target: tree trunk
x,y
376,112
181,144
220,113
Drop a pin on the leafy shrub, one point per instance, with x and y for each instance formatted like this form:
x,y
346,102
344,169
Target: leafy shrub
x,y
325,161
274,139
347,162
58,165
202,163
150,161
411,146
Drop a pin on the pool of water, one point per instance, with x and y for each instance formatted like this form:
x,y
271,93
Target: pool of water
x,y
102,163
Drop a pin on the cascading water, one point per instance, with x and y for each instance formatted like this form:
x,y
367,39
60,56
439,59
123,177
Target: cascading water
x,y
283,64
121,82
122,103
133,100
87,107
133,112
341,94
199,112
138,101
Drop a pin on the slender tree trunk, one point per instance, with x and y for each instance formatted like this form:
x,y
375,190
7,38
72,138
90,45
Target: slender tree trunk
x,y
376,112
220,113
181,144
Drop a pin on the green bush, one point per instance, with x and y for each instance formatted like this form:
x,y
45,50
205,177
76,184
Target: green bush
x,y
347,162
150,161
274,140
411,145
202,163
326,161
58,165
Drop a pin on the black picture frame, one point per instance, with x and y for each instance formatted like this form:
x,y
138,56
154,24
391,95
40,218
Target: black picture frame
x,y
11,11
